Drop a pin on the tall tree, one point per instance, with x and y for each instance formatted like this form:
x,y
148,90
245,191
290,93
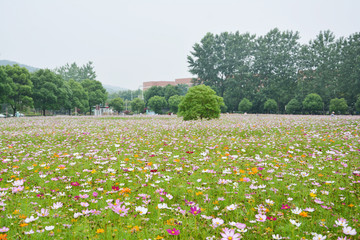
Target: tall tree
x,y
79,97
5,84
78,73
137,105
95,91
117,104
349,79
319,67
157,104
217,58
275,65
153,91
20,90
46,91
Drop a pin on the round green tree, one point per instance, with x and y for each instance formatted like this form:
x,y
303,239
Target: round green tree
x,y
338,105
117,104
174,102
245,105
270,106
294,106
200,102
157,104
313,103
138,105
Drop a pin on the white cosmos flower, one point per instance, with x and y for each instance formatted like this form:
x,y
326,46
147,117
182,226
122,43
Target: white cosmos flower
x,y
57,205
349,231
141,210
31,219
296,210
49,228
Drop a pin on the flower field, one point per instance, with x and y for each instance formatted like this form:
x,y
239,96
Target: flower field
x,y
240,176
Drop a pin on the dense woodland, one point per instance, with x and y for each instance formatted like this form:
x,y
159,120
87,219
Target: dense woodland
x,y
278,67
65,88
273,73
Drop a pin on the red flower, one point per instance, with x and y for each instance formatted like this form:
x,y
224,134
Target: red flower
x,y
115,188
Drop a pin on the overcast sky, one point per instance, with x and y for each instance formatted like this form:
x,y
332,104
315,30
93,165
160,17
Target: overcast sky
x,y
132,41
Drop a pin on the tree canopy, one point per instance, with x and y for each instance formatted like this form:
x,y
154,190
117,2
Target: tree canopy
x,y
200,102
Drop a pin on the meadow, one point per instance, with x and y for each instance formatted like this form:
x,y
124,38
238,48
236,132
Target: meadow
x,y
240,176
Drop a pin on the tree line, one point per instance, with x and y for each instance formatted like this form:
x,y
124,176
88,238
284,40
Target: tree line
x,y
156,98
276,73
64,88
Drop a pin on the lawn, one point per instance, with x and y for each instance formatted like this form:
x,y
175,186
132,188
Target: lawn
x,y
240,176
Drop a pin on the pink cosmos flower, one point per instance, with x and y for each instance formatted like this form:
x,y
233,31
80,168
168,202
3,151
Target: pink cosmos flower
x,y
75,184
195,210
260,217
121,210
173,231
4,229
229,234
43,213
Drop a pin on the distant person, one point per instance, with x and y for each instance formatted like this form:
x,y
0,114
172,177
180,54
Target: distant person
x,y
332,114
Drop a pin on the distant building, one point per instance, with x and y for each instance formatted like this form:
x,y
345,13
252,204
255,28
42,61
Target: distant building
x,y
147,85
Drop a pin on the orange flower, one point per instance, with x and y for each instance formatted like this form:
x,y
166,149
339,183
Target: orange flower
x,y
22,216
125,190
23,225
3,236
100,230
303,214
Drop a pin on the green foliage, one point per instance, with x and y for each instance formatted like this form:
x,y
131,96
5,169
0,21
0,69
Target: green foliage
x,y
5,85
270,106
48,89
169,91
73,71
338,105
313,103
19,87
153,91
357,104
79,97
96,92
157,104
174,102
294,106
138,105
245,105
200,102
126,94
117,104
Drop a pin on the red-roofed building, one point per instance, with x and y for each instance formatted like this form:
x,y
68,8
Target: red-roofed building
x,y
147,85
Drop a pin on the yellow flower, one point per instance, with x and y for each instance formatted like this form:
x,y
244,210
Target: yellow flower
x,y
100,230
312,195
158,237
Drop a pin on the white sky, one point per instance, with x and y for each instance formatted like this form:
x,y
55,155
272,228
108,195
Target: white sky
x,y
132,41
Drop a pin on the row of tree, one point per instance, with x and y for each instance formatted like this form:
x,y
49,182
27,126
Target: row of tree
x,y
65,88
277,66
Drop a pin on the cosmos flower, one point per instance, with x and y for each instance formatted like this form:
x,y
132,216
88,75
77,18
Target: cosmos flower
x,y
229,234
349,231
173,231
141,210
195,210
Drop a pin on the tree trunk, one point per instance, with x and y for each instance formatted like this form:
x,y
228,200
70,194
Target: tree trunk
x,y
44,112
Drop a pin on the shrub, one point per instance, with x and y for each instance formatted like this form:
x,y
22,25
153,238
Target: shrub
x,y
200,102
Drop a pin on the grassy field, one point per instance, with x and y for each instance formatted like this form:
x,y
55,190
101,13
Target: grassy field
x,y
241,176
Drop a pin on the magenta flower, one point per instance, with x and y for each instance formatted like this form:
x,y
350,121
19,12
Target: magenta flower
x,y
75,184
195,210
285,206
173,231
95,194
